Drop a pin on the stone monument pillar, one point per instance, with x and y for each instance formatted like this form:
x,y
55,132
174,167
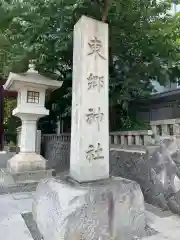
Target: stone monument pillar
x,y
90,117
86,203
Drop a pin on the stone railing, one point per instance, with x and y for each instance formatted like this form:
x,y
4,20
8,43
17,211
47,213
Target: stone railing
x,y
63,137
56,148
142,137
167,127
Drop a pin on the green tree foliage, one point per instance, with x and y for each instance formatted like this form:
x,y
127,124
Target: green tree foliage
x,y
9,105
143,43
10,122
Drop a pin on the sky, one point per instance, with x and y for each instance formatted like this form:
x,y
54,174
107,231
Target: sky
x,y
177,7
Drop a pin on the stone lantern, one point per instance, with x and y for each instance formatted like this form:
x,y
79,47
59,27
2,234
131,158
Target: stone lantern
x,y
31,88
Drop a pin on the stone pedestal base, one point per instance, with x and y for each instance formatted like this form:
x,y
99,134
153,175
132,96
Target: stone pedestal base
x,y
23,162
3,152
108,209
11,179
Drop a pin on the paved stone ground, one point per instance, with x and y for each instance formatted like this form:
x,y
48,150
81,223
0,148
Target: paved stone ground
x,y
16,220
12,224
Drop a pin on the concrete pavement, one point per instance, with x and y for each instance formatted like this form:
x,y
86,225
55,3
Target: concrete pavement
x,y
13,224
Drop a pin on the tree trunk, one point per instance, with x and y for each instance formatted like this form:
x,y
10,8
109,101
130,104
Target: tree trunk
x,y
107,5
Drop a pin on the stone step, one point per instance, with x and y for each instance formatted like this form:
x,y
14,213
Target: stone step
x,y
17,188
8,178
21,182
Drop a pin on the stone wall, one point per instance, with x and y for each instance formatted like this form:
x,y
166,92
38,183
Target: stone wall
x,y
155,168
56,149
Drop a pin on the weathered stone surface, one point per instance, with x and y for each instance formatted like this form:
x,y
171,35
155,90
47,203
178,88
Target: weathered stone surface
x,y
26,162
8,178
57,153
68,210
157,170
90,118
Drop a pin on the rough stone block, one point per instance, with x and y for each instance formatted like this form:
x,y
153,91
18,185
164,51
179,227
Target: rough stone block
x,y
107,209
157,170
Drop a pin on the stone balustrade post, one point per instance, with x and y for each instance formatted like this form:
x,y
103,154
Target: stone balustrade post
x,y
137,140
147,139
176,129
154,129
116,139
129,139
164,128
122,140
